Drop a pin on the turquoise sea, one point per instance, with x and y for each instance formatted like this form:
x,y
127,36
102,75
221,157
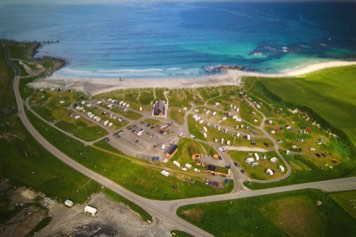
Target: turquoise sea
x,y
183,39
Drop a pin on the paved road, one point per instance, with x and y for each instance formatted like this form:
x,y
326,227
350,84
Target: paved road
x,y
275,145
334,185
165,210
152,207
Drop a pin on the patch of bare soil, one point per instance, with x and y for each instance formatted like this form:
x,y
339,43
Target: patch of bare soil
x,y
22,211
112,219
23,222
194,214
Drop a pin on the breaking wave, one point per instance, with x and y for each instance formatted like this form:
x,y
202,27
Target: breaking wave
x,y
68,72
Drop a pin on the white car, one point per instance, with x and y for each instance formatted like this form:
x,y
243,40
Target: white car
x,y
221,149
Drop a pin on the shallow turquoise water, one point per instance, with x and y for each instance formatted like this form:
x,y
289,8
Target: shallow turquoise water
x,y
180,40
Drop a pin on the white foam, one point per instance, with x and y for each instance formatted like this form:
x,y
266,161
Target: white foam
x,y
68,72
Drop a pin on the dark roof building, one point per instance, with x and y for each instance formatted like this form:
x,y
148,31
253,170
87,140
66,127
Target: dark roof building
x,y
211,168
159,109
217,170
171,151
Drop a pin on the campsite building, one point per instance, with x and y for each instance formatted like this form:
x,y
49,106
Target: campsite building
x,y
217,170
159,109
194,152
171,151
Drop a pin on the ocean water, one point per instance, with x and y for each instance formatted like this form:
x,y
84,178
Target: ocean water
x,y
180,40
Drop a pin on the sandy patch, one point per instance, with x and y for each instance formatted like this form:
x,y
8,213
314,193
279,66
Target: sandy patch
x,y
22,195
230,77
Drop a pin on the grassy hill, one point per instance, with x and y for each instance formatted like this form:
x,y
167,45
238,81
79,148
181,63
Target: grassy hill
x,y
330,94
24,161
297,213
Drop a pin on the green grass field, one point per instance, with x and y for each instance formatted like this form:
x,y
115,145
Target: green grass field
x,y
151,121
304,171
330,93
22,69
183,154
346,200
128,113
175,115
196,129
82,129
131,96
24,161
98,111
246,113
298,213
258,172
48,105
146,97
183,97
326,95
124,170
104,145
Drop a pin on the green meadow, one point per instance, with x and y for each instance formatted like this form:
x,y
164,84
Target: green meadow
x,y
346,200
26,163
298,213
136,175
330,94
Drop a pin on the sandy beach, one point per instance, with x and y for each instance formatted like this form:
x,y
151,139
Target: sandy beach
x,y
94,86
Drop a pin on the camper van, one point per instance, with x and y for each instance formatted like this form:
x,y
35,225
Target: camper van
x,y
163,146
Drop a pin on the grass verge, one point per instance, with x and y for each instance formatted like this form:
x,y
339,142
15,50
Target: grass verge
x,y
314,214
25,162
138,176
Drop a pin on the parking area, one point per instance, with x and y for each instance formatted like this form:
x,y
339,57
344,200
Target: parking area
x,y
140,138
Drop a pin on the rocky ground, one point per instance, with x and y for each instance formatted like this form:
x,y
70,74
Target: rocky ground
x,y
26,209
112,219
23,211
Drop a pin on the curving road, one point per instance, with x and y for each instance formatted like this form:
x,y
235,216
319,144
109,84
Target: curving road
x,y
275,145
344,184
152,207
164,210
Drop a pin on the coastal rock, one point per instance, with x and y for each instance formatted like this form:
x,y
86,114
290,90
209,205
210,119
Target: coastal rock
x,y
220,68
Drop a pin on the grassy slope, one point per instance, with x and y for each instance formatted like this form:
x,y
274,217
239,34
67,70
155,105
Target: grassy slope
x,y
82,129
301,92
149,183
346,200
272,215
345,169
258,172
330,93
27,163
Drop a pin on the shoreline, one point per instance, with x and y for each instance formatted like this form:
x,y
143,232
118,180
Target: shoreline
x,y
94,86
